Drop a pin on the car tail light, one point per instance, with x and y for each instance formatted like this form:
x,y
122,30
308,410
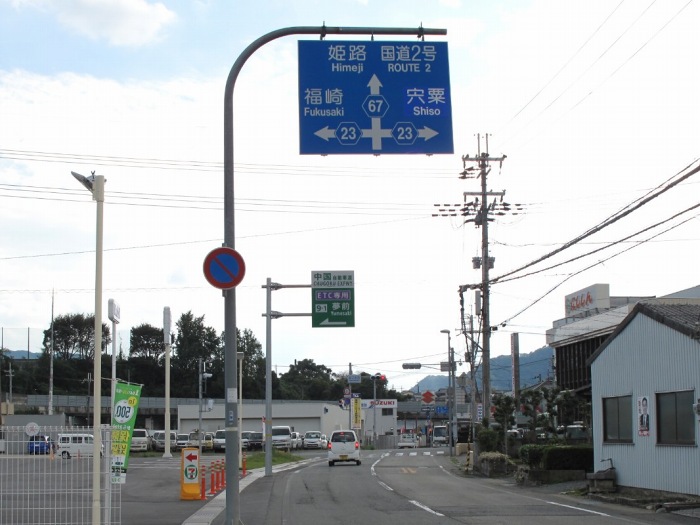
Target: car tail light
x,y
329,445
357,445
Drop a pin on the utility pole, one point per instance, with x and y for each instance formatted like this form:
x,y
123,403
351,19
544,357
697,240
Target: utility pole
x,y
481,218
350,399
9,374
87,406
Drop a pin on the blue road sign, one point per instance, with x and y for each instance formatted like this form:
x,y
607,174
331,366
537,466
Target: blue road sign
x,y
441,410
224,268
372,97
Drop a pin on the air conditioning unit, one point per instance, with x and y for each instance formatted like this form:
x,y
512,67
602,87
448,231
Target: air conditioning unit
x,y
696,408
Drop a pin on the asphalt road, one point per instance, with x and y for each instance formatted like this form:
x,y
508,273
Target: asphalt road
x,y
421,487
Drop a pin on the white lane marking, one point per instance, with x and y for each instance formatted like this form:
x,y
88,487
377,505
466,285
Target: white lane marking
x,y
426,509
387,487
579,508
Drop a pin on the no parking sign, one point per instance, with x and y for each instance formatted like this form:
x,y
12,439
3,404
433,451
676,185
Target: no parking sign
x,y
224,268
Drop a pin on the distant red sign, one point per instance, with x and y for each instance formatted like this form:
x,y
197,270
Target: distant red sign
x,y
428,397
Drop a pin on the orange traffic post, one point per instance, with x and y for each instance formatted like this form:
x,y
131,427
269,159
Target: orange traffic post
x,y
203,490
212,480
223,474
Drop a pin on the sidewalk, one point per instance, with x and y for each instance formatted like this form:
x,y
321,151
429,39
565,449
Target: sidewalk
x,y
207,514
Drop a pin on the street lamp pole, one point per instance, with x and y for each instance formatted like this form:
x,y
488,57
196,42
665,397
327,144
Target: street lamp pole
x,y
450,390
96,185
374,410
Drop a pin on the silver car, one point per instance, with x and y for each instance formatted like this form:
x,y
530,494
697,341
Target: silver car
x,y
312,439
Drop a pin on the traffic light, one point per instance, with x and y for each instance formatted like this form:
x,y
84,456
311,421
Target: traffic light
x,y
378,377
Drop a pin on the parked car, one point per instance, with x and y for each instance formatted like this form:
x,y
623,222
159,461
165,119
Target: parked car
x,y
343,446
219,441
182,441
296,440
159,440
40,444
77,445
140,440
312,439
407,440
255,441
324,441
282,437
207,440
245,437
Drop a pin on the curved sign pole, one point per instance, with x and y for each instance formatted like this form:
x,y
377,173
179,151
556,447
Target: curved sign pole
x,y
230,345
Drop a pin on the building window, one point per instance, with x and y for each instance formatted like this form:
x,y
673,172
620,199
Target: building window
x,y
387,411
675,423
617,419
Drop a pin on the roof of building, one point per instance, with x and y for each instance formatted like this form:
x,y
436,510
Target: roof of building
x,y
683,317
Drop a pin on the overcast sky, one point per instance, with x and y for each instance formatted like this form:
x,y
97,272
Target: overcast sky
x,y
594,103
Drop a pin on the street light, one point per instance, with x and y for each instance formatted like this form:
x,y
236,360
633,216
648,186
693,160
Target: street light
x,y
450,387
96,185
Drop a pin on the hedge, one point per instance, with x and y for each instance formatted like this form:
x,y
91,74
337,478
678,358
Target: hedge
x,y
572,457
558,457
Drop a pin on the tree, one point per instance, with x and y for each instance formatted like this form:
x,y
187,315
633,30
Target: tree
x,y
74,337
147,342
253,366
194,341
531,403
307,380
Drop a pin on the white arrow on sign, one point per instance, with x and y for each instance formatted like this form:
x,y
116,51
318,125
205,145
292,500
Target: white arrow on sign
x,y
374,85
326,322
427,133
325,133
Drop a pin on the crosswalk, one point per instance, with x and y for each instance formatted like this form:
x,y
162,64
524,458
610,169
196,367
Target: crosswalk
x,y
207,461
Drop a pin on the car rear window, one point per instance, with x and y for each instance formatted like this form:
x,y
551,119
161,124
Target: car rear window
x,y
343,437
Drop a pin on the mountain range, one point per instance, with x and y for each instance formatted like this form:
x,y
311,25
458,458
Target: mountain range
x,y
535,367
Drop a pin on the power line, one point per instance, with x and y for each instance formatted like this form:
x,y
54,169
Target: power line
x,y
607,222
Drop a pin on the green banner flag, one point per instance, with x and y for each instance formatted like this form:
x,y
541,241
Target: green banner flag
x,y
126,404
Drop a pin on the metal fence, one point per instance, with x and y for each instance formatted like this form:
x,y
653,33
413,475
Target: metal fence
x,y
46,476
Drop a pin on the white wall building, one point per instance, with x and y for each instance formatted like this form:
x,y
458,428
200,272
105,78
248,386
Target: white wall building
x,y
645,384
300,415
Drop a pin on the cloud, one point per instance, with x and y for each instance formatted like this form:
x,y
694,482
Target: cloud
x,y
123,23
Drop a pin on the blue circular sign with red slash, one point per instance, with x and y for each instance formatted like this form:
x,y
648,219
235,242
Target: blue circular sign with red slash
x,y
224,268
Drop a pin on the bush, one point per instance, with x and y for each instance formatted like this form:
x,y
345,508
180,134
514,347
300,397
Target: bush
x,y
577,457
531,455
488,440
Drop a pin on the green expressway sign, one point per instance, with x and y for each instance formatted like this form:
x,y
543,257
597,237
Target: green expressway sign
x,y
332,299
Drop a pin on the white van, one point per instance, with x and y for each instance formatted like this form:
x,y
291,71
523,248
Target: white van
x,y
140,440
76,445
282,438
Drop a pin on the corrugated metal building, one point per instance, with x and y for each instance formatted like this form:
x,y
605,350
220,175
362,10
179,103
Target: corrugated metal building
x,y
645,382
